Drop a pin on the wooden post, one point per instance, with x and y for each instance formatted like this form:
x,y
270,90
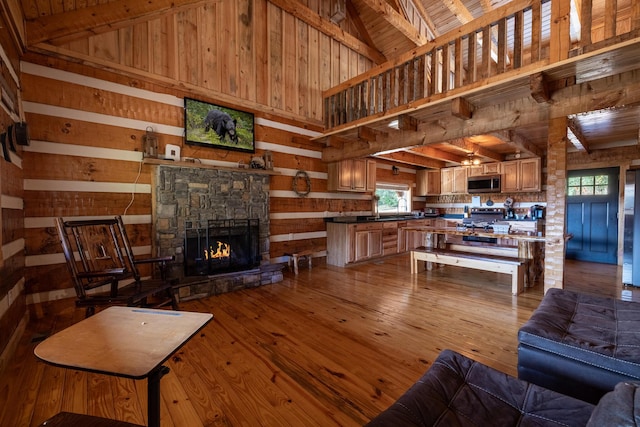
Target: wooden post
x,y
560,42
556,201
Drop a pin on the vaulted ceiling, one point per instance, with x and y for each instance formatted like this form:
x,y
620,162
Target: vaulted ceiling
x,y
387,28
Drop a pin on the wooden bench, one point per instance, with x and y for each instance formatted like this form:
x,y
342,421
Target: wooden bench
x,y
496,263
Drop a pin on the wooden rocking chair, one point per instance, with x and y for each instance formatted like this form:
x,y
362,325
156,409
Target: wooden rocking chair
x,y
104,270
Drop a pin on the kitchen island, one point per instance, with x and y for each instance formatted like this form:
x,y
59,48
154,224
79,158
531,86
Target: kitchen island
x,y
356,239
530,245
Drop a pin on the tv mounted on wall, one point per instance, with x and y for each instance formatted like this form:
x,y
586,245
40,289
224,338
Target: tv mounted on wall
x,y
211,125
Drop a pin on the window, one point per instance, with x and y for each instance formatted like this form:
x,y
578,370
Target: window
x,y
393,198
592,185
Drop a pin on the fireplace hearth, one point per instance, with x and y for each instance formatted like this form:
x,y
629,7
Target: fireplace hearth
x,y
190,207
221,246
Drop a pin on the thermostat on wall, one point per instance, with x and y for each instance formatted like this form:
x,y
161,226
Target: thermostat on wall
x,y
172,152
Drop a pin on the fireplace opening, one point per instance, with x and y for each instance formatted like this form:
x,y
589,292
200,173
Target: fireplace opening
x,y
221,246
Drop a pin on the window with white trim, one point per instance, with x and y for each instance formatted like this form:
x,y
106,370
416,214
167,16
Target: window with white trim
x,y
393,198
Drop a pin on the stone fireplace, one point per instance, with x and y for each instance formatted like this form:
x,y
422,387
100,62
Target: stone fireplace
x,y
185,196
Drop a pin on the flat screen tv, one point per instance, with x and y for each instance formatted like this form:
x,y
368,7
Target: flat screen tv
x,y
211,125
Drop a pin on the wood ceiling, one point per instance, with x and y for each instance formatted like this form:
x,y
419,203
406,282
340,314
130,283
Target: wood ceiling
x,y
384,29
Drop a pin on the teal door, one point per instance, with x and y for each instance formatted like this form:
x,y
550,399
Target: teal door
x,y
592,215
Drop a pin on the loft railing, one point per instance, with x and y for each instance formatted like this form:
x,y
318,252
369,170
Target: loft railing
x,y
520,36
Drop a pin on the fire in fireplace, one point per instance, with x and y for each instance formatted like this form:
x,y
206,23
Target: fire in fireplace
x,y
221,246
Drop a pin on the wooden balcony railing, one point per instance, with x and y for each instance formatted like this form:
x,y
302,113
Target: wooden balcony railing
x,y
525,34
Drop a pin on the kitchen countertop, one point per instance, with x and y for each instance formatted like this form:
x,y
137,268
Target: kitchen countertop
x,y
382,218
519,236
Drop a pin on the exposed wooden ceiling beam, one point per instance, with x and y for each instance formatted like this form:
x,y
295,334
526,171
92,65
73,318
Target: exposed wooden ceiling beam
x,y
471,147
578,140
308,16
425,16
411,158
396,20
353,149
353,14
101,18
519,142
462,109
434,153
539,88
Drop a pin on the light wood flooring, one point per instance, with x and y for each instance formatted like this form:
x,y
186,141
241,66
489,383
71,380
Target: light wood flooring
x,y
329,347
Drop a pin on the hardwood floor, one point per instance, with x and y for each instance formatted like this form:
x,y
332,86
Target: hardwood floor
x,y
331,346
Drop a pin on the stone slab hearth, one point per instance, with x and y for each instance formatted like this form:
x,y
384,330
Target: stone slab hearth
x,y
183,193
202,287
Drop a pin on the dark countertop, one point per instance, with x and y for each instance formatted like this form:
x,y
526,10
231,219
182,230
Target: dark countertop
x,y
386,218
382,218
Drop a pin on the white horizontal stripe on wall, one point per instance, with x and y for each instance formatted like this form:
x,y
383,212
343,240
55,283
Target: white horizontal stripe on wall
x,y
9,65
10,297
58,258
105,119
286,127
320,195
293,172
83,151
47,221
79,79
85,186
325,214
288,150
47,296
11,202
15,159
12,248
297,236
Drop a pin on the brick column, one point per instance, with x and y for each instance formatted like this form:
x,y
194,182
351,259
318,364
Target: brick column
x,y
556,204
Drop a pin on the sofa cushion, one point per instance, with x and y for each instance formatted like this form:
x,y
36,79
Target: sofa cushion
x,y
620,407
458,391
579,344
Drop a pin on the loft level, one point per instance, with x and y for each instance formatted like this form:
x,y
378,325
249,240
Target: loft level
x,y
514,40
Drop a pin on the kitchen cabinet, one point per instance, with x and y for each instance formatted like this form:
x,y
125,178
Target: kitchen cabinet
x,y
484,169
368,242
427,182
521,175
413,239
348,243
390,238
453,180
357,175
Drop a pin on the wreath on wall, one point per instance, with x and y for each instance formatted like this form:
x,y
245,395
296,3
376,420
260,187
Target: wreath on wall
x,y
302,190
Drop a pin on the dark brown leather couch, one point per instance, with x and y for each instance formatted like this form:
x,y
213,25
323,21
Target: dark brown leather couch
x,y
458,391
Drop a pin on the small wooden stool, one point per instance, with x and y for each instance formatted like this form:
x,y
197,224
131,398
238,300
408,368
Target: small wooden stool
x,y
296,256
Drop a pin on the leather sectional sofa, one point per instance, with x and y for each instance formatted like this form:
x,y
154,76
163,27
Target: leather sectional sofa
x,y
578,365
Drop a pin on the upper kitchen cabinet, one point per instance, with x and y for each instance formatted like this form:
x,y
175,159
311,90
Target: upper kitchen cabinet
x,y
357,175
427,182
484,169
521,175
453,180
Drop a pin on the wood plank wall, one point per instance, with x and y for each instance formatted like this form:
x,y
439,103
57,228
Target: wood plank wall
x,y
89,102
12,256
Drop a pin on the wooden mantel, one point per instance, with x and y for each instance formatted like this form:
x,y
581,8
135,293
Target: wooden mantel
x,y
195,164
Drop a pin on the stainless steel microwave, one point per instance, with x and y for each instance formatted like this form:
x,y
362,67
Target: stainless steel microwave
x,y
483,184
